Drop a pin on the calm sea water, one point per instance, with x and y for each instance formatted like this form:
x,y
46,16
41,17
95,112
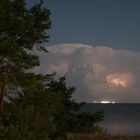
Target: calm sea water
x,y
120,119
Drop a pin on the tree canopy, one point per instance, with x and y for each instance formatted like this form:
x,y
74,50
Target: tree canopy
x,y
22,30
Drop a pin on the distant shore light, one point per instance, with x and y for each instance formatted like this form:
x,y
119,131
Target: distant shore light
x,y
113,102
105,102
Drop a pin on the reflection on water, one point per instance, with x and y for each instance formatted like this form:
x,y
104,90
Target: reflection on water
x,y
119,118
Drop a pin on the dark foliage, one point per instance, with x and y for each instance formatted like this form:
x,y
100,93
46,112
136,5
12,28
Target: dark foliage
x,y
45,110
21,31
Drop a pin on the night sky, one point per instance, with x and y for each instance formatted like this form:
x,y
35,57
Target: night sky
x,y
114,23
96,44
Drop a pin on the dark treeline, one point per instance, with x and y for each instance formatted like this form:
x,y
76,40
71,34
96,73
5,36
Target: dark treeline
x,y
34,106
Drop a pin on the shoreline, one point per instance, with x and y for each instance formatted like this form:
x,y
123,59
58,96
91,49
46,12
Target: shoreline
x,y
99,136
124,137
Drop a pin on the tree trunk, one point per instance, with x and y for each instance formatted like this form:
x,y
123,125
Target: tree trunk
x,y
2,92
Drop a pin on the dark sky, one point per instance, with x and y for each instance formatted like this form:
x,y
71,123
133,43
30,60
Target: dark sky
x,y
113,23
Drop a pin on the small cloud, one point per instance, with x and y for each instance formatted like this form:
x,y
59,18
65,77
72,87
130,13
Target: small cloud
x,y
61,69
66,48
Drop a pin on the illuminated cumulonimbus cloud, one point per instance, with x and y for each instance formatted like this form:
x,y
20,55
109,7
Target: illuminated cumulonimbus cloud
x,y
97,72
124,80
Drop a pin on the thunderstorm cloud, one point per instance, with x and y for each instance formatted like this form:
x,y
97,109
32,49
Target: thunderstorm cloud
x,y
97,72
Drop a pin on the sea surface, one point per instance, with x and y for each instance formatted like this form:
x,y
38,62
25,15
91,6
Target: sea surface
x,y
120,119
